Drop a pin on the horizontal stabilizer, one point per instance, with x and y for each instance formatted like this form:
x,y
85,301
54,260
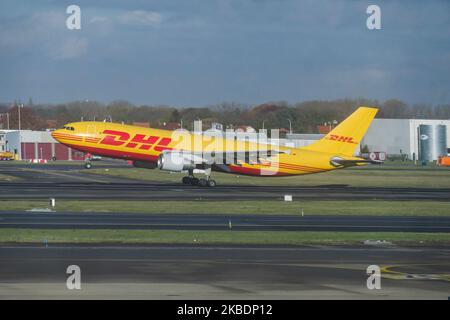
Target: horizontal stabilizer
x,y
338,162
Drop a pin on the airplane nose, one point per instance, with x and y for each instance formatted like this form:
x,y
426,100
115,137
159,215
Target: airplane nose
x,y
54,133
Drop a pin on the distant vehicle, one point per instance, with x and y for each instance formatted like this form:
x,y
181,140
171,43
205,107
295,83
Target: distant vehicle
x,y
6,155
181,151
443,161
380,156
93,157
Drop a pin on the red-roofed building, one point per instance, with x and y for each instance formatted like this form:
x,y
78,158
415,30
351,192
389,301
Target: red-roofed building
x,y
169,126
141,124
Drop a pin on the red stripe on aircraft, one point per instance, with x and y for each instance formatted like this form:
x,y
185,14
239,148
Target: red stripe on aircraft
x,y
62,135
255,172
116,154
69,138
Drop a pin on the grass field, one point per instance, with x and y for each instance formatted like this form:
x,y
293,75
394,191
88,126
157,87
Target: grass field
x,y
404,176
5,177
79,163
217,237
309,207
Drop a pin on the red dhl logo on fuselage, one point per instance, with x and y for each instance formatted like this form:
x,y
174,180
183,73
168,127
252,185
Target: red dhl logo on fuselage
x,y
145,142
335,137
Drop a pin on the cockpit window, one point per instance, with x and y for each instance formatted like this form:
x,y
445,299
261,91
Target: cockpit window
x,y
68,128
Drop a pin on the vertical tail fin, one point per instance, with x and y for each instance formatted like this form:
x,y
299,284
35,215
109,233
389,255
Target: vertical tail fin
x,y
347,135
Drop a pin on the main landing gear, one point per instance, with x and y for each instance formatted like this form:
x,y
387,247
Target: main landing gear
x,y
199,182
208,182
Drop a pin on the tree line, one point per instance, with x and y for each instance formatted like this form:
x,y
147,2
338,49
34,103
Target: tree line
x,y
304,116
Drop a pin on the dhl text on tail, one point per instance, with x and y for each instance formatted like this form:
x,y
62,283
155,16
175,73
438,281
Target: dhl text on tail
x,y
182,151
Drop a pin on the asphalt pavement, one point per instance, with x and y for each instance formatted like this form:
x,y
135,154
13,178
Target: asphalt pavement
x,y
233,222
222,272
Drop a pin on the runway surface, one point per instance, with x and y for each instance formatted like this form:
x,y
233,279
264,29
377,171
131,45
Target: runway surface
x,y
223,272
65,182
117,220
166,191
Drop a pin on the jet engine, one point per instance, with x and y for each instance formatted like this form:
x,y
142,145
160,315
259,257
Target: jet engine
x,y
174,161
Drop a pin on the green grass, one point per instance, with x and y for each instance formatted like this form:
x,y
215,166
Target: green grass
x,y
79,163
5,177
309,207
216,237
404,176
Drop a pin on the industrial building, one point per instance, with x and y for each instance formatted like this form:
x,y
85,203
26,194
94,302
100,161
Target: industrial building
x,y
415,139
31,145
298,140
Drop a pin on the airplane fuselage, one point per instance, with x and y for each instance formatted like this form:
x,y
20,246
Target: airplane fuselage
x,y
146,144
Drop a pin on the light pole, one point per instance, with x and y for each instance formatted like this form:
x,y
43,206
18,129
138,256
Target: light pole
x,y
290,126
19,106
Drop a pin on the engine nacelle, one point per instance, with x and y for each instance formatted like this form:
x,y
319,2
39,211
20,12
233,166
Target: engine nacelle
x,y
174,161
144,164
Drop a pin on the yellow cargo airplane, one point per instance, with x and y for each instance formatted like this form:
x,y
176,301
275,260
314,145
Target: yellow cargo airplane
x,y
181,151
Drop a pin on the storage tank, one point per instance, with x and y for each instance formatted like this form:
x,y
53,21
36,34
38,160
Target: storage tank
x,y
432,142
426,142
440,133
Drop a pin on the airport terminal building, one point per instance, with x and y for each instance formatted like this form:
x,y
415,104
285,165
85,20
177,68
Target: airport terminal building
x,y
31,145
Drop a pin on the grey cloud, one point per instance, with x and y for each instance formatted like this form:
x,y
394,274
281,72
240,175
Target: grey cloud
x,y
141,18
44,32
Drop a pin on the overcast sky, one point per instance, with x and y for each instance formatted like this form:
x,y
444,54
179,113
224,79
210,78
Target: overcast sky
x,y
199,52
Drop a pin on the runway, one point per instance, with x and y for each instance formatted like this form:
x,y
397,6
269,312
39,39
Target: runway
x,y
165,191
222,272
234,222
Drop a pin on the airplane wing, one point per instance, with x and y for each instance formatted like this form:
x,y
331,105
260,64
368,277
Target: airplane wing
x,y
211,158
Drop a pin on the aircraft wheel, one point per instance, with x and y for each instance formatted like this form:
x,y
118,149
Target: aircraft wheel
x,y
211,183
186,180
194,181
88,165
203,182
